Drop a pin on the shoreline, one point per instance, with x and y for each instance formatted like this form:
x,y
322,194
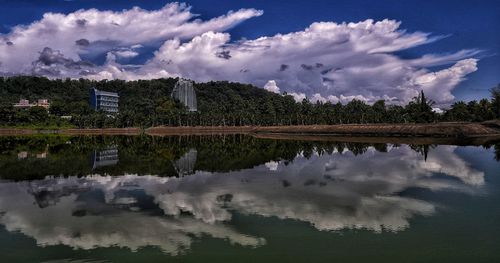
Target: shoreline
x,y
71,131
402,132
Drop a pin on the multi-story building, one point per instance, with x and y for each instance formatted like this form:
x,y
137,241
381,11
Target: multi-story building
x,y
185,165
104,101
105,157
24,104
185,93
43,103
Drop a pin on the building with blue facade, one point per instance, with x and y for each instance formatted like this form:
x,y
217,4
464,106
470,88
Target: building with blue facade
x,y
104,101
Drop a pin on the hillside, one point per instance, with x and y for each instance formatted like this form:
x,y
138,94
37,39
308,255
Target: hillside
x,y
147,103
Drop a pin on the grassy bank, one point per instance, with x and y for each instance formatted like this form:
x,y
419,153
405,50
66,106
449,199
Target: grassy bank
x,y
70,131
39,126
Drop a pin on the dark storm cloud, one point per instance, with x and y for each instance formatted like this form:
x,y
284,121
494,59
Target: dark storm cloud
x,y
327,80
81,22
306,67
82,42
225,54
52,63
323,72
284,67
49,57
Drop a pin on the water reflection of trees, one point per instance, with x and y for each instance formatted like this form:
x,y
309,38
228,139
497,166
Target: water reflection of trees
x,y
159,155
497,152
496,149
422,149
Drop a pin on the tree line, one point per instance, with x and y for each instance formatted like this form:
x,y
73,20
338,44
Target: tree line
x,y
146,103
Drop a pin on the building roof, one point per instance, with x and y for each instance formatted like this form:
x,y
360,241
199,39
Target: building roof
x,y
105,93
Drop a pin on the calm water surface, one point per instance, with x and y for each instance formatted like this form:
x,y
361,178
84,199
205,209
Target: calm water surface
x,y
242,199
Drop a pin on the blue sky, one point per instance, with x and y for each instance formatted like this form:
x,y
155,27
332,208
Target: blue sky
x,y
459,25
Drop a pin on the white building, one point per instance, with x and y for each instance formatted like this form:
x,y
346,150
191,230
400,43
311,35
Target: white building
x,y
25,104
185,93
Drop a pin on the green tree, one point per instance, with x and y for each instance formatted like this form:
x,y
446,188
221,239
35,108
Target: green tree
x,y
420,109
38,114
458,112
379,112
57,108
495,100
7,113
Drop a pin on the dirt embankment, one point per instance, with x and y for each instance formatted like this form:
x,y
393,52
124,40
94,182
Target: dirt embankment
x,y
107,131
199,130
435,130
461,130
482,140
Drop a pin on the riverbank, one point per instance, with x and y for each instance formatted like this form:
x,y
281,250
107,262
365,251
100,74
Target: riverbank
x,y
438,130
433,130
71,131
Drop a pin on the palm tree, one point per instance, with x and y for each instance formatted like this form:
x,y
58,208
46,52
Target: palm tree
x,y
495,100
420,109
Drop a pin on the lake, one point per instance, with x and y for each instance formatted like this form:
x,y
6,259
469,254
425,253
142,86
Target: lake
x,y
237,198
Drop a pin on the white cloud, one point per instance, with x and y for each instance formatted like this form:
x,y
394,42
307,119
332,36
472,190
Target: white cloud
x,y
433,82
298,97
92,30
437,110
316,97
326,61
126,53
272,87
345,99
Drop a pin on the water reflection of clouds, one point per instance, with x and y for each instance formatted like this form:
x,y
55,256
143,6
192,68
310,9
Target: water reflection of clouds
x,y
331,192
87,224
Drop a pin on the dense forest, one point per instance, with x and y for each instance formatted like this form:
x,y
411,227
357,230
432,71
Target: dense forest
x,y
146,103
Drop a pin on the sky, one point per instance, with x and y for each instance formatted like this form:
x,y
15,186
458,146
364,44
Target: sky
x,y
321,50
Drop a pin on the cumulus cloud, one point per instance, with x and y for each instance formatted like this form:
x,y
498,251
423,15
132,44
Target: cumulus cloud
x,y
272,87
53,63
326,61
433,82
298,97
92,30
